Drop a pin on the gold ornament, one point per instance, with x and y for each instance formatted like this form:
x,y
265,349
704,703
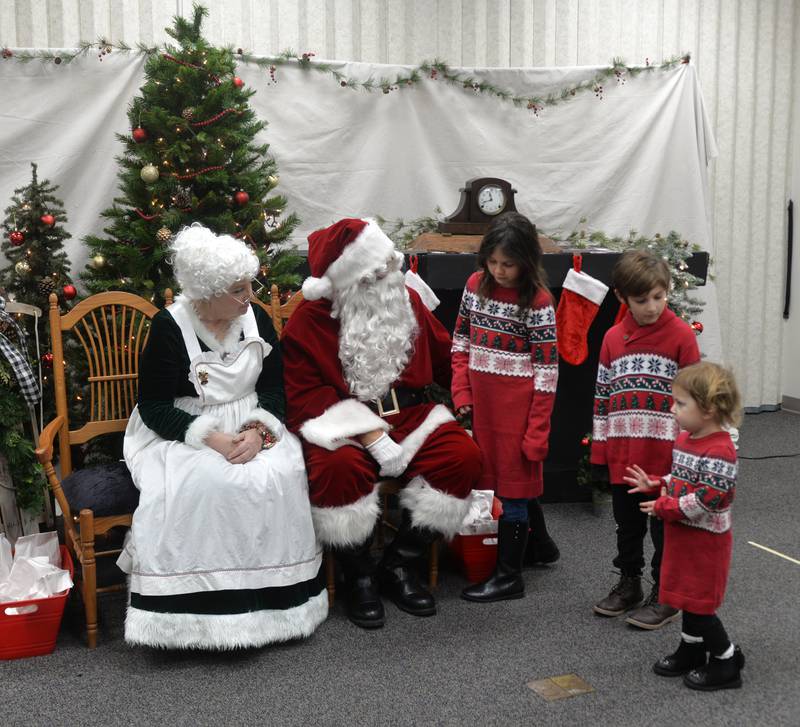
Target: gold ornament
x,y
22,268
98,261
164,234
149,173
273,180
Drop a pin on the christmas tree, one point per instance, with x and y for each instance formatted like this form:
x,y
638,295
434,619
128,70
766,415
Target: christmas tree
x,y
190,157
33,242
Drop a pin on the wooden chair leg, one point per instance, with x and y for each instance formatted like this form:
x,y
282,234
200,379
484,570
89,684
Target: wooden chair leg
x,y
89,575
433,566
330,577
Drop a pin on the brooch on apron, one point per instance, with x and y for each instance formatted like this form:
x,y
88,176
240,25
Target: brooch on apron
x,y
203,377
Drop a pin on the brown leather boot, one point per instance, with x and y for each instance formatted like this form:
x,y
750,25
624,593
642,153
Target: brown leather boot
x,y
627,594
651,614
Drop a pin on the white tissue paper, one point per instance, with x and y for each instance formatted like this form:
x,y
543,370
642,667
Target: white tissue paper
x,y
35,571
479,517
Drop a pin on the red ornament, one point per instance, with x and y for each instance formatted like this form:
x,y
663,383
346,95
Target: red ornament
x,y
139,135
16,237
585,441
241,198
47,220
697,327
47,359
238,82
69,292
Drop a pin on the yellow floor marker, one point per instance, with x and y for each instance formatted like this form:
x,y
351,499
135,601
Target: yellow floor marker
x,y
560,687
774,552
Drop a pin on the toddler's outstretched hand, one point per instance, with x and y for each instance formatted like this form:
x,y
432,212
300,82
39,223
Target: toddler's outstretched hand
x,y
638,480
648,506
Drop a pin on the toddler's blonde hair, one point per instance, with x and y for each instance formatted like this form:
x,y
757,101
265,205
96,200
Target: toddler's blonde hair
x,y
714,389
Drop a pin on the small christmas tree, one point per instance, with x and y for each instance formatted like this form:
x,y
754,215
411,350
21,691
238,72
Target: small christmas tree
x,y
191,157
33,243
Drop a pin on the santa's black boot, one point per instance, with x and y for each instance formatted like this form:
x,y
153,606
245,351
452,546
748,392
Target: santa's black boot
x,y
364,606
688,656
717,674
397,570
506,581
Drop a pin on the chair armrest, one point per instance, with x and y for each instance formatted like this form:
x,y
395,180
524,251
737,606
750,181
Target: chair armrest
x,y
44,452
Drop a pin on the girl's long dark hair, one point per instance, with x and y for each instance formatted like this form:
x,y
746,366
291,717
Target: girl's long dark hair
x,y
515,236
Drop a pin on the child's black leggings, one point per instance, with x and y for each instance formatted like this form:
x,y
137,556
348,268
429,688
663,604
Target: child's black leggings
x,y
710,628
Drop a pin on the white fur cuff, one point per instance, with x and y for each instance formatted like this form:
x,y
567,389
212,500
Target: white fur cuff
x,y
346,525
199,429
338,423
270,421
432,508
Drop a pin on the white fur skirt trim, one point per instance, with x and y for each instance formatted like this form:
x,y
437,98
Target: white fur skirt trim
x,y
224,631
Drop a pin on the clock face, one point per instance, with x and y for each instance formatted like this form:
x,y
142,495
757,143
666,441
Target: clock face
x,y
491,200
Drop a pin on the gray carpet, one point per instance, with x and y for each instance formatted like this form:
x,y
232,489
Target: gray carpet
x,y
469,664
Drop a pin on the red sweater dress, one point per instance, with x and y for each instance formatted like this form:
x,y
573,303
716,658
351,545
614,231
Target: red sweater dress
x,y
632,419
506,366
697,523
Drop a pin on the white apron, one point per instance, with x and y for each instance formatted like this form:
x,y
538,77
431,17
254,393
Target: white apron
x,y
204,524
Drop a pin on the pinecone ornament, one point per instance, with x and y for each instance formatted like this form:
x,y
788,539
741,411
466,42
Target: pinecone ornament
x,y
164,234
188,113
46,286
183,197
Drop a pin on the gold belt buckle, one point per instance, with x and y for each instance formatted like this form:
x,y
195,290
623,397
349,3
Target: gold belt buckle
x,y
395,406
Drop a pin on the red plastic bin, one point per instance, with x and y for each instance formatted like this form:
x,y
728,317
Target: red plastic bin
x,y
34,633
477,554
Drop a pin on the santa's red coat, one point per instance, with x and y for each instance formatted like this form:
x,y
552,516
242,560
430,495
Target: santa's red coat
x,y
443,461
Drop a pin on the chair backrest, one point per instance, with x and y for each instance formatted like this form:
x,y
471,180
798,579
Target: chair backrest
x,y
112,329
280,312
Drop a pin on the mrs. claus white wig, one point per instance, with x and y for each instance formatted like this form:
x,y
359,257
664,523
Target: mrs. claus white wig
x,y
206,264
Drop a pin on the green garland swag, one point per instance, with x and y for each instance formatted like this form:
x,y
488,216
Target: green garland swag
x,y
26,473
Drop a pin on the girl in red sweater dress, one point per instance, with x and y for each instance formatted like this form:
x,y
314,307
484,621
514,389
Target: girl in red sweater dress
x,y
695,505
505,369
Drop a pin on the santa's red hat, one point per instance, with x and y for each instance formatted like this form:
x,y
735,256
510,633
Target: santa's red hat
x,y
341,254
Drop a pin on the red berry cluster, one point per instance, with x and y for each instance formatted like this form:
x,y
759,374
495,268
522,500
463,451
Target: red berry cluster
x,y
434,74
620,76
7,53
307,56
535,108
598,90
272,70
342,83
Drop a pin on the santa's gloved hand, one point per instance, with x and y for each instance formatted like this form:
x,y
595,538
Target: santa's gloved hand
x,y
388,454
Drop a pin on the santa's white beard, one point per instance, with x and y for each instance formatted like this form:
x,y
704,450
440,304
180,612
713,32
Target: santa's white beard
x,y
377,329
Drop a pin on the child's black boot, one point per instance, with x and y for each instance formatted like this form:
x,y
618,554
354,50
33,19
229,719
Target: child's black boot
x,y
688,656
718,674
627,594
541,549
506,581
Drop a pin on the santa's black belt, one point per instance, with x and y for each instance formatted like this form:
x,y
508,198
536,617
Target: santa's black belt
x,y
397,398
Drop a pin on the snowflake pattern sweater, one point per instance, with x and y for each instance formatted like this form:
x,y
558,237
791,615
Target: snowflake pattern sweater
x,y
697,522
505,365
633,397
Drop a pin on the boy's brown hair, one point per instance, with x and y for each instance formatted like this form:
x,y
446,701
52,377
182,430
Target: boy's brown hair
x,y
637,272
714,389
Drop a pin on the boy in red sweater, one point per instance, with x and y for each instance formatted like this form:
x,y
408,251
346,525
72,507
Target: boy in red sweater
x,y
639,358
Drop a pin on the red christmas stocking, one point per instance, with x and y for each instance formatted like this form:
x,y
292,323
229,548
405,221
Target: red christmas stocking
x,y
579,303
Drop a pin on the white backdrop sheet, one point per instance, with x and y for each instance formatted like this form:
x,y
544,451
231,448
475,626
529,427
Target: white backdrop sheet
x,y
634,159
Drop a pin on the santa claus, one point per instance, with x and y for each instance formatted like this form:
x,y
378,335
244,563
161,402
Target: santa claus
x,y
357,354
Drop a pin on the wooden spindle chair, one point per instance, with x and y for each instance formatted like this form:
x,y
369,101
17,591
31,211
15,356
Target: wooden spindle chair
x,y
111,330
280,313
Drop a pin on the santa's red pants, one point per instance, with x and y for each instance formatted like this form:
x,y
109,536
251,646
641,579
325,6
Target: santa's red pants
x,y
448,459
